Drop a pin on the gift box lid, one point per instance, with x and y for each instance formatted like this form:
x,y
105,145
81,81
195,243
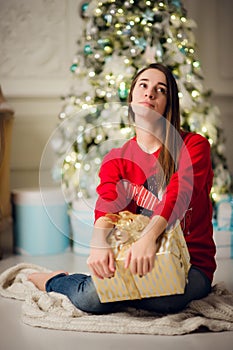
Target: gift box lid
x,y
37,196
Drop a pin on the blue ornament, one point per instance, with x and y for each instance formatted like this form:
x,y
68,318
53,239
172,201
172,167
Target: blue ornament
x,y
176,3
127,31
103,42
148,15
141,43
108,19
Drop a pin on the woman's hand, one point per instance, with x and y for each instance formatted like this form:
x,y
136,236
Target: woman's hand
x,y
141,255
101,262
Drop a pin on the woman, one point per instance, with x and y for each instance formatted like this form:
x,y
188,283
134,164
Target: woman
x,y
163,173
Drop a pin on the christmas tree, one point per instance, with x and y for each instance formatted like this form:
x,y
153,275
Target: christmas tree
x,y
120,37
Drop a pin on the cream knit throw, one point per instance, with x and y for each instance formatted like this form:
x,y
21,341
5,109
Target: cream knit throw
x,y
55,311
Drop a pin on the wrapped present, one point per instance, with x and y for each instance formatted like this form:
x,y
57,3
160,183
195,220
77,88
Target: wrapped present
x,y
169,275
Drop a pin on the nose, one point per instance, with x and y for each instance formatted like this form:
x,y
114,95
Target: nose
x,y
150,94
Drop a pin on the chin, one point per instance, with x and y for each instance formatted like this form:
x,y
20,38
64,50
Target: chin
x,y
146,113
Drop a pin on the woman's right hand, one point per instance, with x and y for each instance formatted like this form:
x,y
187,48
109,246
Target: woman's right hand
x,y
101,262
101,259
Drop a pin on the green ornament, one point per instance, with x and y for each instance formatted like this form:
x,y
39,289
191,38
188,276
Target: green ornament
x,y
85,6
84,9
87,49
73,67
123,93
183,50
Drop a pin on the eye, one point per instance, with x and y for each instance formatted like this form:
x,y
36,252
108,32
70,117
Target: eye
x,y
143,85
161,90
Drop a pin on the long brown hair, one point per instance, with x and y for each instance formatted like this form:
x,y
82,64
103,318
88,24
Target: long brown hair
x,y
169,153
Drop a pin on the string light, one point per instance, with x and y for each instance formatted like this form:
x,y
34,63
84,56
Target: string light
x,y
98,12
180,94
97,161
87,167
183,19
79,156
161,4
77,165
62,115
196,64
126,130
211,141
88,98
214,196
195,93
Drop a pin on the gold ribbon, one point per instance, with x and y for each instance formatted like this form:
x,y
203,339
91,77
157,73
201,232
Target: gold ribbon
x,y
128,227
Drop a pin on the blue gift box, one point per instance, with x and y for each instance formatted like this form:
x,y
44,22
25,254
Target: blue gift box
x,y
41,222
82,220
224,243
223,227
224,209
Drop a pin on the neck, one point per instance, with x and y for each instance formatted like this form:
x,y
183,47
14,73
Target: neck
x,y
148,142
150,128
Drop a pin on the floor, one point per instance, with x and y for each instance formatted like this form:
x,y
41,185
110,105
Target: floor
x,y
16,335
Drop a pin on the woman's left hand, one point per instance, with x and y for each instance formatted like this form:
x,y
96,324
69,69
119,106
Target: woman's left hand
x,y
141,255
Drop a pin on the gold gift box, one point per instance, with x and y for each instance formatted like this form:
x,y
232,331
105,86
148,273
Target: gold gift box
x,y
169,275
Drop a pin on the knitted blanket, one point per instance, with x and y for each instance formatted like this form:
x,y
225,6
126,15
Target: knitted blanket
x,y
55,311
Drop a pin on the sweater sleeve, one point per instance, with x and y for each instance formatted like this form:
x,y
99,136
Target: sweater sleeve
x,y
193,174
111,191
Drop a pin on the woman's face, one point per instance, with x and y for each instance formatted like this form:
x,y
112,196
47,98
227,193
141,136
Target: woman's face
x,y
150,91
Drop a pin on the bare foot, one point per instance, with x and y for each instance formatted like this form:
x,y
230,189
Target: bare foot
x,y
39,279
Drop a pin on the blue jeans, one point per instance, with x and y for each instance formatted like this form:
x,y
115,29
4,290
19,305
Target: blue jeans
x,y
80,289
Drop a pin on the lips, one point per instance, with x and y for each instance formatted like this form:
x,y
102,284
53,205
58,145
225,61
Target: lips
x,y
147,104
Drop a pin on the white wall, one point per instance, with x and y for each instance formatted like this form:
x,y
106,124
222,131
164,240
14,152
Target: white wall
x,y
215,48
38,42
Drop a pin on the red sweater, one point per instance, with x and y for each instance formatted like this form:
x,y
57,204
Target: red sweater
x,y
186,197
